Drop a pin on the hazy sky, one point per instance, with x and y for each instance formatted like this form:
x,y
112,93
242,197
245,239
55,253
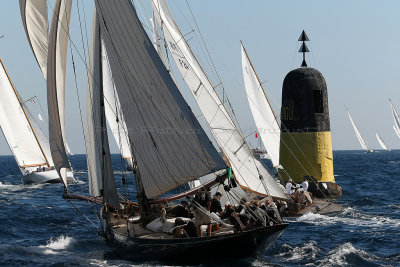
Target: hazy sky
x,y
355,44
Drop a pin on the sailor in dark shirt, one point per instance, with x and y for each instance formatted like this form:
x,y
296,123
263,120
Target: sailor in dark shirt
x,y
216,204
181,210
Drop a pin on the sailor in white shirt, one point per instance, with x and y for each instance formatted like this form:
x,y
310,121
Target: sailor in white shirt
x,y
304,185
289,186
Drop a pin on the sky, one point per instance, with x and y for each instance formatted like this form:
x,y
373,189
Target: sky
x,y
355,44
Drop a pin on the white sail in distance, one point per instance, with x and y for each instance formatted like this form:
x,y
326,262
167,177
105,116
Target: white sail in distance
x,y
246,168
263,114
357,132
381,143
396,119
34,18
17,128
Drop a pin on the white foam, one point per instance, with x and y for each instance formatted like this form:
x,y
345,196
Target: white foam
x,y
55,245
338,256
351,216
307,251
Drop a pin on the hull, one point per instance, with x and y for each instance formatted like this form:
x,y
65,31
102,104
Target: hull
x,y
234,245
45,177
319,206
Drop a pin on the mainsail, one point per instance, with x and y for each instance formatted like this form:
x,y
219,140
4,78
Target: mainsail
x,y
57,58
247,169
16,126
381,143
34,17
357,132
100,173
169,145
263,115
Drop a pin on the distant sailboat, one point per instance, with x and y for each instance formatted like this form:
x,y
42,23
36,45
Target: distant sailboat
x,y
27,142
381,143
359,137
396,118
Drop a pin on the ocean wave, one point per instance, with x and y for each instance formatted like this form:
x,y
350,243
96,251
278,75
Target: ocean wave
x,y
346,254
351,216
305,252
55,245
395,162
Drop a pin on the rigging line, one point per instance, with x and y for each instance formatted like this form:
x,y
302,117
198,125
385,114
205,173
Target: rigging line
x,y
84,19
80,27
77,93
74,207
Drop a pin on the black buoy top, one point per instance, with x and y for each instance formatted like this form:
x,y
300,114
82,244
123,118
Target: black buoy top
x,y
305,102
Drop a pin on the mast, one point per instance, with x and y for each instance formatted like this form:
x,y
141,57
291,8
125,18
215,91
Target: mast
x,y
26,116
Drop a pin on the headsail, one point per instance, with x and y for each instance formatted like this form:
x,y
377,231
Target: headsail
x,y
16,126
57,57
357,132
100,173
112,108
170,146
396,130
34,17
263,115
246,167
381,143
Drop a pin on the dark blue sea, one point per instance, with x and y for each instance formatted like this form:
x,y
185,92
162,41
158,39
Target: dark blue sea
x,y
39,228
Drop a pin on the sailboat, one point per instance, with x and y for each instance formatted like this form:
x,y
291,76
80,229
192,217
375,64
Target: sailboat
x,y
396,118
168,145
381,143
249,172
263,114
359,137
27,142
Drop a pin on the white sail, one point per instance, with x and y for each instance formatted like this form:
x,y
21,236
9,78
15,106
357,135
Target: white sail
x,y
17,128
263,115
57,58
357,132
381,143
112,108
396,119
101,178
247,169
41,137
34,17
396,130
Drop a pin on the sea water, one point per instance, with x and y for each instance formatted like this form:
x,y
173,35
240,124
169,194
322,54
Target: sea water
x,y
39,228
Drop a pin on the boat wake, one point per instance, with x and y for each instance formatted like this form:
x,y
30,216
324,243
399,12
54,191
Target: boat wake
x,y
351,216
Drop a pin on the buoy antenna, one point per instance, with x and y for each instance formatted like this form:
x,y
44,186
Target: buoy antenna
x,y
304,49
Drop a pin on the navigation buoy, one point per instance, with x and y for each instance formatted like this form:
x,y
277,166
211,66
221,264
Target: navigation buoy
x,y
306,145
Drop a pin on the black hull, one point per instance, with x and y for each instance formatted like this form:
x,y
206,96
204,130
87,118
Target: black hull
x,y
236,245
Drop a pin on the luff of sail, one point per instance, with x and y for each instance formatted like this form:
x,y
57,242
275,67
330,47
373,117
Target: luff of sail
x,y
100,174
170,146
247,169
357,132
56,64
381,143
34,18
263,115
396,130
112,108
16,126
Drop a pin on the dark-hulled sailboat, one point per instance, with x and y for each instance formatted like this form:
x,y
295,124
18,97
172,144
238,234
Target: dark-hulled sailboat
x,y
167,142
